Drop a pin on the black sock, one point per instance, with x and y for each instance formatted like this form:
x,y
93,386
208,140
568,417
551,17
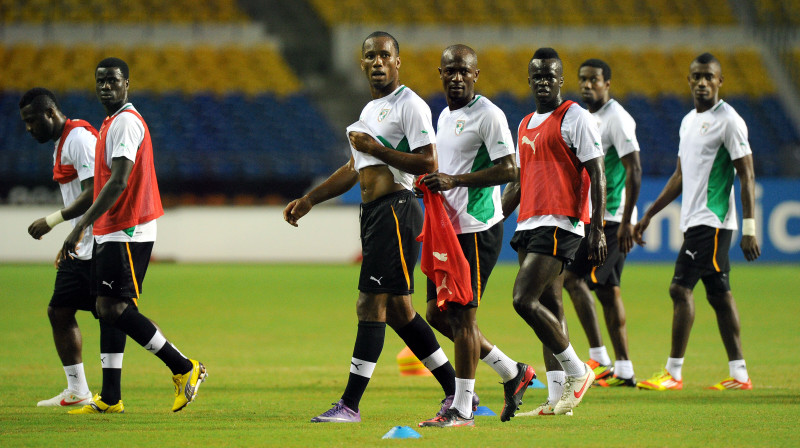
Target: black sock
x,y
112,343
419,337
369,344
142,330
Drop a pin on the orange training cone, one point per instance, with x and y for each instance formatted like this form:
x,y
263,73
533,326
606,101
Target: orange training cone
x,y
410,365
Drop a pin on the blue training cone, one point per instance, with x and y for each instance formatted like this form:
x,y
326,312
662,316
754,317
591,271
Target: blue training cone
x,y
483,410
402,432
536,384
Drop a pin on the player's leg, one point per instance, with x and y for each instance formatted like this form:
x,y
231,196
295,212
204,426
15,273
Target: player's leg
x,y
536,273
112,351
583,301
610,298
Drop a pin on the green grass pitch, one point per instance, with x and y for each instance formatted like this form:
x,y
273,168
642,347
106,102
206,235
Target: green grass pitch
x,y
277,340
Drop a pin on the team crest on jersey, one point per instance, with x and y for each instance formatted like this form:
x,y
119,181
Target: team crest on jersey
x,y
704,128
383,114
460,126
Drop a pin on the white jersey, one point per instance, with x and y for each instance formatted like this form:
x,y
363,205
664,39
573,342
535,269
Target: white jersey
x,y
579,131
78,151
618,136
468,140
124,137
709,143
401,121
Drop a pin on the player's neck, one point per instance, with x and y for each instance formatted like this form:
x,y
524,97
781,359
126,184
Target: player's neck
x,y
380,92
455,104
58,129
594,107
703,106
111,109
549,106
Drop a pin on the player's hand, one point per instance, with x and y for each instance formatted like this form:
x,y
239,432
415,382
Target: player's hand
x,y
750,247
362,142
437,182
70,245
598,250
39,228
296,210
625,237
638,230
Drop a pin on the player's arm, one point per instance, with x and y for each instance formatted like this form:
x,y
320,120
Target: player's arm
x,y
421,160
43,225
598,251
504,171
340,182
121,168
671,191
747,179
633,183
510,198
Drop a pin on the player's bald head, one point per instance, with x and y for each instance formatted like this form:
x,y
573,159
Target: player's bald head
x,y
462,52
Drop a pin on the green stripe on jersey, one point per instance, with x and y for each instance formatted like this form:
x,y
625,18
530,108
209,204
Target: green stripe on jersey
x,y
479,203
129,231
403,146
615,180
720,182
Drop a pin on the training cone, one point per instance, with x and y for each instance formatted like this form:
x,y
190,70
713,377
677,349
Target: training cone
x,y
409,364
483,410
402,432
536,384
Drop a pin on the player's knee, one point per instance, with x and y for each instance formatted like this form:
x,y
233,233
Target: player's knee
x,y
679,293
59,316
572,282
720,300
109,311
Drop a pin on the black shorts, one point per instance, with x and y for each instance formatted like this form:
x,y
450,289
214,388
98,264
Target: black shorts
x,y
119,269
73,286
389,229
481,249
610,273
704,255
548,240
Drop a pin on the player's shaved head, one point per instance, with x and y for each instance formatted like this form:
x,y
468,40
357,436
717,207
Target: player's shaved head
x,y
461,51
39,98
375,34
546,53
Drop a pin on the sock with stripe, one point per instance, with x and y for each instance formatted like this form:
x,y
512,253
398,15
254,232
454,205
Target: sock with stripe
x,y
76,379
419,337
502,364
674,367
112,348
146,334
738,370
369,344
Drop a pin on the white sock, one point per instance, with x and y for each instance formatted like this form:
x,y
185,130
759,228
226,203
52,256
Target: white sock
x,y
465,387
111,360
600,354
674,366
738,370
555,385
623,369
76,379
570,362
502,364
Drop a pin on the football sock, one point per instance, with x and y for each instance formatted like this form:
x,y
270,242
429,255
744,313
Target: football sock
x,y
570,362
369,344
145,333
465,388
555,385
112,348
502,364
76,379
674,366
623,369
600,354
419,337
738,370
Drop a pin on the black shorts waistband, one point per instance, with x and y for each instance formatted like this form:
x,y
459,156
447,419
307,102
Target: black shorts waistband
x,y
391,197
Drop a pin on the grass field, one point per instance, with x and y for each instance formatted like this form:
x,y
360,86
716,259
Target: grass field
x,y
277,340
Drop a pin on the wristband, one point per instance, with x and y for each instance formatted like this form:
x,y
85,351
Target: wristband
x,y
54,219
749,227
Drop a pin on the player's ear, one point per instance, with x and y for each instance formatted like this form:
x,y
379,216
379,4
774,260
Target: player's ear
x,y
440,72
477,72
398,62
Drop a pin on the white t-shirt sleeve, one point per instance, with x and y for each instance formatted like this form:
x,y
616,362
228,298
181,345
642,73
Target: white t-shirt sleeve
x,y
580,131
517,143
496,135
125,135
417,124
735,137
79,152
622,130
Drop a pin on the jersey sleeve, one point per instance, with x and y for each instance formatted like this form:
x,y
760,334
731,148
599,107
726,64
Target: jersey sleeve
x,y
622,130
735,137
417,124
580,131
496,135
79,148
125,135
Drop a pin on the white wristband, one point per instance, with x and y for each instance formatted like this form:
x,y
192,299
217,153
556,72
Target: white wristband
x,y
749,227
54,219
